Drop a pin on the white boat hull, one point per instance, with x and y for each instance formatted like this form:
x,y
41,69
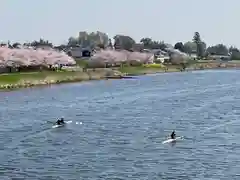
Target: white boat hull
x,y
56,125
171,140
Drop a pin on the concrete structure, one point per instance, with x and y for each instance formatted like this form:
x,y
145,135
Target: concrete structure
x,y
78,52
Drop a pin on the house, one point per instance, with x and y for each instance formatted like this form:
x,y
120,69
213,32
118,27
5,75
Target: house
x,y
78,52
159,54
162,58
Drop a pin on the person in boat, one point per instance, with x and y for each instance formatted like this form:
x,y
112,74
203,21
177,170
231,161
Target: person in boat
x,y
60,121
173,135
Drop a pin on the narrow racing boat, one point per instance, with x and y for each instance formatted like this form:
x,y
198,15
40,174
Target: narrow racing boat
x,y
172,140
61,125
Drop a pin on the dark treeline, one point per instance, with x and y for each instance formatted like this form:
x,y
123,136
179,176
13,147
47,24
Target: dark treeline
x,y
98,39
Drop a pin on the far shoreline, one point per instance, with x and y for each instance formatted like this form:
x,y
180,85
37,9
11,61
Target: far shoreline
x,y
77,77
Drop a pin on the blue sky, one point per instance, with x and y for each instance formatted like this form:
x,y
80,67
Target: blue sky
x,y
168,20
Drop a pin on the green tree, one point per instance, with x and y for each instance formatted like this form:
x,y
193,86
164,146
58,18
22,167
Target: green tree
x,y
41,42
159,45
218,49
91,39
110,45
147,42
235,53
190,47
72,41
123,42
199,43
179,46
15,45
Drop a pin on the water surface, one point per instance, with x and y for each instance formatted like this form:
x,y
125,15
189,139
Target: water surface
x,y
123,125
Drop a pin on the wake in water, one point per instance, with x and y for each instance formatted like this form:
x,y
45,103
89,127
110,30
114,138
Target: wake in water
x,y
219,125
201,133
67,122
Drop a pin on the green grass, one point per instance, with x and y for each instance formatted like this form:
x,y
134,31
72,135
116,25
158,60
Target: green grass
x,y
16,77
140,70
234,61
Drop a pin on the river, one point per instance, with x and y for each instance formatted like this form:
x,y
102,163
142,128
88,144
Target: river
x,y
118,127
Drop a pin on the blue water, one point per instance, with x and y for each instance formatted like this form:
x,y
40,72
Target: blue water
x,y
123,125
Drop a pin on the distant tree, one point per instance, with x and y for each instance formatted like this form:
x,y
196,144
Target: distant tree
x,y
123,42
218,49
159,45
89,40
41,42
72,41
110,45
27,44
147,42
197,38
198,41
15,45
235,53
9,44
117,43
179,46
92,39
204,47
190,47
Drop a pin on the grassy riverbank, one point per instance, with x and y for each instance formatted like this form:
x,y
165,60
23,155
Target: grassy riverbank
x,y
135,71
22,80
199,65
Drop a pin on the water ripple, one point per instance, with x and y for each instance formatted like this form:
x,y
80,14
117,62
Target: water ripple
x,y
123,125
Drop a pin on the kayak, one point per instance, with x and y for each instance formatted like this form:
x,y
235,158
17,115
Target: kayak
x,y
61,125
171,140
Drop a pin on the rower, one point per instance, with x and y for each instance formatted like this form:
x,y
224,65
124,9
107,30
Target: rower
x,y
173,135
60,121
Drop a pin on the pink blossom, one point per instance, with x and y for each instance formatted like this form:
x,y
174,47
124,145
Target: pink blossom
x,y
31,57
